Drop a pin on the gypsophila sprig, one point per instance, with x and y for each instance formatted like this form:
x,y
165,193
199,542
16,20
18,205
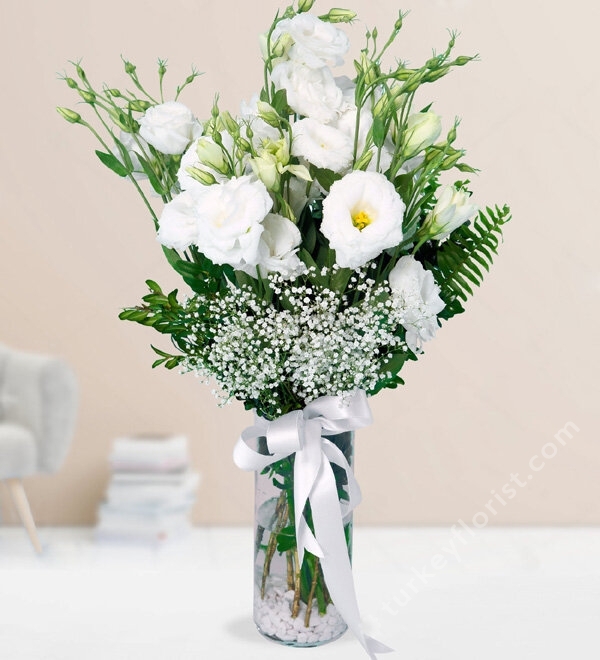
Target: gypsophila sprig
x,y
313,342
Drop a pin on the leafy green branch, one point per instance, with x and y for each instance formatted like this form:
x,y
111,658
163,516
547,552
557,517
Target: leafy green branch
x,y
458,264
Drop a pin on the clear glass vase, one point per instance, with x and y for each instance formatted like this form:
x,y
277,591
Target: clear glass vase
x,y
292,604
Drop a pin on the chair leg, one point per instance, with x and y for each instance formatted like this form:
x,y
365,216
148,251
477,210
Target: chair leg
x,y
17,492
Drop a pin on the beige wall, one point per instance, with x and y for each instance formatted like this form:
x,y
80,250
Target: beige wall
x,y
495,386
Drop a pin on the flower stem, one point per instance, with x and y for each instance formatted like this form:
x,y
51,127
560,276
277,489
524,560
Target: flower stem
x,y
311,593
281,512
290,570
296,603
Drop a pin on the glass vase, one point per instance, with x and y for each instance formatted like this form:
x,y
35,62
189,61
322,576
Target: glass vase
x,y
292,604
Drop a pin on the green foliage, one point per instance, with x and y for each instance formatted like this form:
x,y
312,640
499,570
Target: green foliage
x,y
286,539
396,360
164,313
113,163
458,264
201,274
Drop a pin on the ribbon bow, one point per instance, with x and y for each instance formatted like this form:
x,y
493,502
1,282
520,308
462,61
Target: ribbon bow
x,y
302,432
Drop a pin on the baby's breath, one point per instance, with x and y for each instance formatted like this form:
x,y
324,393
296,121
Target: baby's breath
x,y
310,344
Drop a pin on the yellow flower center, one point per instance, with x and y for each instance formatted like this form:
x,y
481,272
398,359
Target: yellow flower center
x,y
361,220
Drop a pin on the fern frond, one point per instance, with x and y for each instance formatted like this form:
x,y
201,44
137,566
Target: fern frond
x,y
460,262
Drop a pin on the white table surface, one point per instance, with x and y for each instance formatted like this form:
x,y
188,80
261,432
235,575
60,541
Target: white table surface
x,y
504,593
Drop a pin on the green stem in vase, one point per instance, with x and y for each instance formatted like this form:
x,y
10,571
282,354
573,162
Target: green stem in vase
x,y
290,570
311,593
281,517
296,603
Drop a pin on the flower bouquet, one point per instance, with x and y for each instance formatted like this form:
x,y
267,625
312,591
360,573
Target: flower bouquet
x,y
322,248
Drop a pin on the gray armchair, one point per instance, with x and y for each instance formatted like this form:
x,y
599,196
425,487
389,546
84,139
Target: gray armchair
x,y
38,402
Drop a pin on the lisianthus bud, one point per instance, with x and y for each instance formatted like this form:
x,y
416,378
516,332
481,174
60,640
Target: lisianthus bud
x,y
461,60
80,72
305,5
369,68
202,176
282,45
363,162
211,154
279,149
138,105
268,114
119,119
450,161
337,15
451,211
71,83
88,97
229,123
451,135
265,168
70,115
422,130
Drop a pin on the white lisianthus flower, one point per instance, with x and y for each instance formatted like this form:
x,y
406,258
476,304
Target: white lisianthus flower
x,y
417,294
422,130
169,127
315,42
451,210
223,220
322,145
277,249
178,224
310,92
230,217
362,216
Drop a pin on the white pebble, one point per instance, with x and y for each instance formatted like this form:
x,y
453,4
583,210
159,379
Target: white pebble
x,y
274,617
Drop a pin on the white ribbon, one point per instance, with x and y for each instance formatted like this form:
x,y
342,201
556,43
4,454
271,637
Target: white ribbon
x,y
301,433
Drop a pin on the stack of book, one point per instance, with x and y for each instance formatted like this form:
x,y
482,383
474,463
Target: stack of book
x,y
151,491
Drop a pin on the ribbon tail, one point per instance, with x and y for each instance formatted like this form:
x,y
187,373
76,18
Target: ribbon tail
x,y
337,570
375,646
307,466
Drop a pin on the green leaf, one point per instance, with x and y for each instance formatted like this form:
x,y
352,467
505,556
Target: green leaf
x,y
325,177
153,286
286,539
279,103
321,599
339,279
171,255
113,163
126,158
159,352
172,299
